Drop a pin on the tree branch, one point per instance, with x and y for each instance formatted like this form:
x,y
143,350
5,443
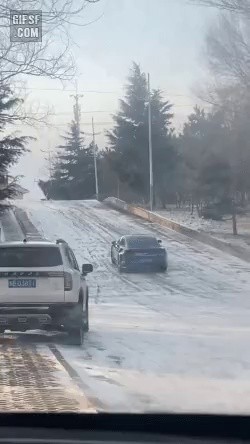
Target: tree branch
x,y
42,58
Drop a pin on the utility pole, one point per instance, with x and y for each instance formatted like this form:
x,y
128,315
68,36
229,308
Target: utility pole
x,y
77,110
49,160
49,151
151,179
93,134
95,163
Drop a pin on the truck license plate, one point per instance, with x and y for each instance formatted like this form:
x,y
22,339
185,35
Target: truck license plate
x,y
22,283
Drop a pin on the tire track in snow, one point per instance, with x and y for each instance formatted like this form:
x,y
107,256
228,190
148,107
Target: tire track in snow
x,y
141,282
193,276
143,292
204,253
151,288
81,216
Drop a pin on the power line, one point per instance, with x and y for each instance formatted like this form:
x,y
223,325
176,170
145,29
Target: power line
x,y
98,91
84,123
89,112
66,113
179,105
66,124
70,90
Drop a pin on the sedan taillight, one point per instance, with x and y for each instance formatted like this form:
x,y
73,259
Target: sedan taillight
x,y
68,282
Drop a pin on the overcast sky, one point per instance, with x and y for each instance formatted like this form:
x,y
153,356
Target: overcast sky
x,y
166,37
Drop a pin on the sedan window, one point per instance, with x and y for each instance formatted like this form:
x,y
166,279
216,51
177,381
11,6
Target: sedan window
x,y
142,242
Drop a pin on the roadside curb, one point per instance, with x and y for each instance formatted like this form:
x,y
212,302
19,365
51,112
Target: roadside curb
x,y
11,229
236,251
28,229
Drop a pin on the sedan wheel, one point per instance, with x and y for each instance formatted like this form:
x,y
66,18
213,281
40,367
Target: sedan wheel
x,y
112,257
121,268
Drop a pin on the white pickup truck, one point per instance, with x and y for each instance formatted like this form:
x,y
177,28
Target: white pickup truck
x,y
42,286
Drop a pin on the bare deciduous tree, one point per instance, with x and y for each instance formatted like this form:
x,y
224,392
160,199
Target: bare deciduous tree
x,y
52,57
228,50
236,6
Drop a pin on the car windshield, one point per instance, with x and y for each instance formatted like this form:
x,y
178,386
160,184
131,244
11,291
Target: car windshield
x,y
30,257
142,242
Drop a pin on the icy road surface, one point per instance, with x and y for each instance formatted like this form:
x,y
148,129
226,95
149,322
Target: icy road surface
x,y
176,342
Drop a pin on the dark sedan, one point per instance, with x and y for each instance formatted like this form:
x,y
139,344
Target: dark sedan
x,y
139,253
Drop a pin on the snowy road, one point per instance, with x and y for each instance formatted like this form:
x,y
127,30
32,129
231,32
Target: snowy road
x,y
178,341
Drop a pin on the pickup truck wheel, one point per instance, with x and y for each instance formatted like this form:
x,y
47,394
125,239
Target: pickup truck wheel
x,y
75,336
86,318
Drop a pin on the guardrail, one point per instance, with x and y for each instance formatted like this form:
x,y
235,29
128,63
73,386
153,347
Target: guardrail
x,y
162,221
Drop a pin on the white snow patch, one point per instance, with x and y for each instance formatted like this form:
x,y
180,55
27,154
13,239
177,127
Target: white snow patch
x,y
219,229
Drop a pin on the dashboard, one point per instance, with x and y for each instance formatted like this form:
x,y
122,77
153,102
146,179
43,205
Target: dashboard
x,y
103,428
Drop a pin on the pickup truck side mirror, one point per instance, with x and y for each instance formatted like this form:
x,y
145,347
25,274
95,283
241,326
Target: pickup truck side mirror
x,y
87,268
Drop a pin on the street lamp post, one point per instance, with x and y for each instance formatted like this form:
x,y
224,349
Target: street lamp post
x,y
95,163
151,178
93,134
49,151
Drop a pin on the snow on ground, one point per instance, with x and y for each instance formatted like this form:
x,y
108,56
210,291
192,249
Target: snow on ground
x,y
183,216
176,342
218,229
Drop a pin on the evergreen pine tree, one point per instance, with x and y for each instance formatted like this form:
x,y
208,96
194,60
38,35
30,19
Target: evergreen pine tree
x,y
73,172
128,140
12,146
